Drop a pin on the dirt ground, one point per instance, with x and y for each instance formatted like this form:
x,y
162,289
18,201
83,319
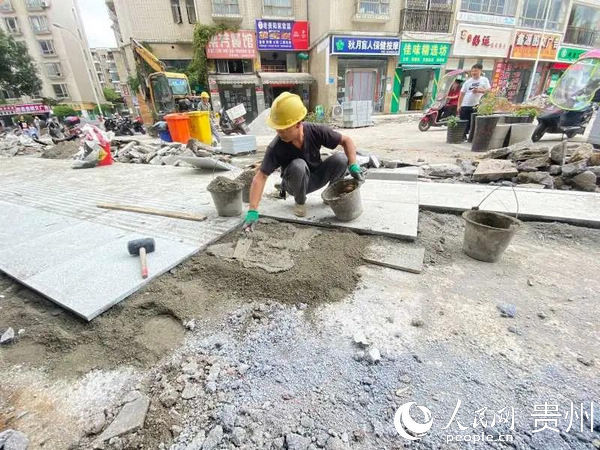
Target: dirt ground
x,y
62,150
281,346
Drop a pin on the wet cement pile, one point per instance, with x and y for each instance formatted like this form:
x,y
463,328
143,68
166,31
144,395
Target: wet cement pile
x,y
62,150
223,184
245,178
149,324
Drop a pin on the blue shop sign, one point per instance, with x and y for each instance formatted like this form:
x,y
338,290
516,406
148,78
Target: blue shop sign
x,y
359,45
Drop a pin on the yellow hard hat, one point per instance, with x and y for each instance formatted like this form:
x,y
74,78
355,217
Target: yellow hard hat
x,y
287,110
204,95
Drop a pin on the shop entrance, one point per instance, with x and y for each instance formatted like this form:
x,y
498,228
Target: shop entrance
x,y
417,88
232,95
362,79
272,91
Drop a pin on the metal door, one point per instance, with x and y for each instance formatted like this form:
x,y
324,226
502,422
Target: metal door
x,y
361,84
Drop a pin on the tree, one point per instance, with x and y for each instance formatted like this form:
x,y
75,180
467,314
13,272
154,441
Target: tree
x,y
107,108
62,111
17,70
111,95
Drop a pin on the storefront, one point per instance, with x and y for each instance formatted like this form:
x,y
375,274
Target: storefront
x,y
419,67
282,46
516,72
363,66
9,114
479,44
232,79
565,57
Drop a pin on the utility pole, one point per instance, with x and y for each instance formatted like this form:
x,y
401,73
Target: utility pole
x,y
539,51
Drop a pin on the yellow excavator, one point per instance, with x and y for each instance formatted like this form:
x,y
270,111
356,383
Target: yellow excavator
x,y
165,92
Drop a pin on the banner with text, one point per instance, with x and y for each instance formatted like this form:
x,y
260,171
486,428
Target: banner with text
x,y
527,42
282,34
415,52
362,45
481,41
232,45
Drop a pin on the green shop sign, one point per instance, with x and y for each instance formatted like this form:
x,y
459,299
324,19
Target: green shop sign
x,y
569,54
415,52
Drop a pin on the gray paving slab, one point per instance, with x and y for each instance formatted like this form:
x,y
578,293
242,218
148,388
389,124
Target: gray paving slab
x,y
399,174
390,208
396,255
579,208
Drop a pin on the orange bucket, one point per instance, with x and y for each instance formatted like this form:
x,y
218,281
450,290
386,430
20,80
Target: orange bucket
x,y
179,127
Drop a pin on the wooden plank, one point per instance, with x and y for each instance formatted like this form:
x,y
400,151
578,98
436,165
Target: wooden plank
x,y
153,212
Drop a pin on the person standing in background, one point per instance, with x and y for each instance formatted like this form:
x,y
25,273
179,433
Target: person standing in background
x,y
471,93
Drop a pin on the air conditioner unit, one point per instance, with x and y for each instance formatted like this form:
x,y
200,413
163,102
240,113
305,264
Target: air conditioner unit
x,y
337,112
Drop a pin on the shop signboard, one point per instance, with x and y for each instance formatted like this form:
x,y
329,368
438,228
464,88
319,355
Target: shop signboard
x,y
569,54
481,41
232,45
485,18
527,42
34,108
363,45
416,52
282,34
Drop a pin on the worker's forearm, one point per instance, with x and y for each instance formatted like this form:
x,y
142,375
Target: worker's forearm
x,y
349,149
460,99
256,190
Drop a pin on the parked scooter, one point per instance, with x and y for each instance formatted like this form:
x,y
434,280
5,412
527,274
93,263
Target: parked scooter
x,y
138,125
438,114
237,125
555,120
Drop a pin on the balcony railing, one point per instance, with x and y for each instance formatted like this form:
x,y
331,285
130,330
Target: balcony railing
x,y
226,9
582,36
426,20
539,23
35,5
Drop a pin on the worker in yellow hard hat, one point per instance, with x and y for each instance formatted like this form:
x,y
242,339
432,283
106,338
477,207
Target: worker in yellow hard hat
x,y
297,151
206,106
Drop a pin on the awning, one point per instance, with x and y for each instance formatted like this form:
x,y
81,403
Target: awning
x,y
286,78
239,79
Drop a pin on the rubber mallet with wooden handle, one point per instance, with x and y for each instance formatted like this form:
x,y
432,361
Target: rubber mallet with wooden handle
x,y
141,247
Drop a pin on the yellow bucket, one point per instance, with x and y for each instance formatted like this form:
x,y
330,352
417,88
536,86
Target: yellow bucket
x,y
200,126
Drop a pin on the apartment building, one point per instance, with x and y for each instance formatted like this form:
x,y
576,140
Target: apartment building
x,y
109,65
266,55
52,32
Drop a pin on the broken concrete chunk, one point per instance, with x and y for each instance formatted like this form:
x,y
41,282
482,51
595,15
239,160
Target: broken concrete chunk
x,y
373,355
536,177
494,170
583,153
529,153
507,310
531,165
296,442
444,170
130,418
13,440
360,339
8,336
585,181
213,439
575,168
499,153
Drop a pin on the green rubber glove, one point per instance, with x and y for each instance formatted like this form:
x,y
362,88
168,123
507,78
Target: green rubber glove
x,y
356,172
251,220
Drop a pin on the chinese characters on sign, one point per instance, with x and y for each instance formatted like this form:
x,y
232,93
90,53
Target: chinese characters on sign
x,y
282,34
8,110
424,52
342,45
482,41
230,45
526,45
569,54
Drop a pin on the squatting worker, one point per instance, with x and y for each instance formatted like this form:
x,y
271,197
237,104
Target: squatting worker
x,y
470,94
296,149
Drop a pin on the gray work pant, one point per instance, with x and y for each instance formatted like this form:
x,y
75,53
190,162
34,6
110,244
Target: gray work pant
x,y
298,180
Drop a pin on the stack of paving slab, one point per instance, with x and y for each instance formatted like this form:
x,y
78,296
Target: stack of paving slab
x,y
233,145
357,114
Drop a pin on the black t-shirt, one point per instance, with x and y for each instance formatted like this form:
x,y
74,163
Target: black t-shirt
x,y
280,153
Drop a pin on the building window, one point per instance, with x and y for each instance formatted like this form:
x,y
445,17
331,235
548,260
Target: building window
x,y
190,8
47,47
374,7
33,5
5,6
433,16
234,65
39,24
60,90
176,10
226,7
278,8
534,14
583,26
54,70
495,7
12,25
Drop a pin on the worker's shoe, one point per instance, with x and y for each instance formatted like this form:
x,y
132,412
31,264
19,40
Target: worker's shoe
x,y
299,210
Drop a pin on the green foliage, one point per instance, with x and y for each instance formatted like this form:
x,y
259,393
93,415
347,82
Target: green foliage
x,y
49,101
27,118
17,70
134,83
62,111
111,95
107,108
452,121
529,112
197,71
313,117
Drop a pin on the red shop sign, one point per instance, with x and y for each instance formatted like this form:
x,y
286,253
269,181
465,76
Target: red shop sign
x,y
230,45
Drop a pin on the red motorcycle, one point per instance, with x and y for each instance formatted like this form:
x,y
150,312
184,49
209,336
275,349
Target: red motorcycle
x,y
439,113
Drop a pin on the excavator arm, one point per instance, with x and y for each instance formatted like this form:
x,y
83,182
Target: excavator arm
x,y
156,64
